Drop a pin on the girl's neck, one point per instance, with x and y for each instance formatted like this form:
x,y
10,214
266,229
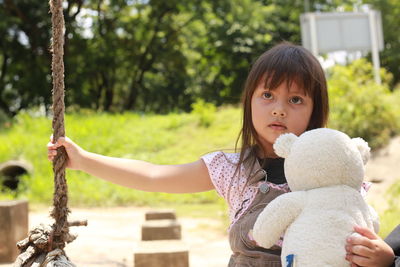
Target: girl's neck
x,y
266,153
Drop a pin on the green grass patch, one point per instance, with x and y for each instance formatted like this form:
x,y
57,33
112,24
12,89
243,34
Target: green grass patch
x,y
390,218
162,139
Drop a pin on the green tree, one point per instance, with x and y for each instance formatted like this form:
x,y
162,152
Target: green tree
x,y
390,56
24,49
359,106
24,52
155,55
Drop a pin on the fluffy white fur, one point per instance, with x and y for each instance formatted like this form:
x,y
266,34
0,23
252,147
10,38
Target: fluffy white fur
x,y
324,169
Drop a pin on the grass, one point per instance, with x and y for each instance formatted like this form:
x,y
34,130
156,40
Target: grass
x,y
389,219
171,139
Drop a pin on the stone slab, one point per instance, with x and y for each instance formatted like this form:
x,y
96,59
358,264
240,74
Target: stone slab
x,y
160,215
161,230
13,228
169,253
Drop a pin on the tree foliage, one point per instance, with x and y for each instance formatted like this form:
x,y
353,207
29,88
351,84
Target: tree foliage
x,y
147,55
359,106
390,56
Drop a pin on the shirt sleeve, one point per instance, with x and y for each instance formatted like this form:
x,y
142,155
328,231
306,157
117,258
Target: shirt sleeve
x,y
220,171
396,262
393,240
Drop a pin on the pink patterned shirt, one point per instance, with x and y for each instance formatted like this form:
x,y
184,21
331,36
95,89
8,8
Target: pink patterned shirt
x,y
221,167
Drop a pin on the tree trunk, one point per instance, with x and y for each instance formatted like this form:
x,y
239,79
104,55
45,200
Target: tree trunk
x,y
109,92
132,97
3,104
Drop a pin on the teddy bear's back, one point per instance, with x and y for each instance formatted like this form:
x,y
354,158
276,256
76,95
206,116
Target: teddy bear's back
x,y
333,212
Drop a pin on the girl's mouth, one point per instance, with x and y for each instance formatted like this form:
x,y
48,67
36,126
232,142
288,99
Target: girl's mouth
x,y
277,126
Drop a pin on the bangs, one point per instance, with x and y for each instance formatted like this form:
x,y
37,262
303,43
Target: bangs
x,y
289,66
274,80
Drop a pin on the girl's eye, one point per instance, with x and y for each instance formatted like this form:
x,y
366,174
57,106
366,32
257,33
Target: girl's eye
x,y
267,95
296,100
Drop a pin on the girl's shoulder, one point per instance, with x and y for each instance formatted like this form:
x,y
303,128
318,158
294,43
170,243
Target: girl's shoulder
x,y
222,167
221,158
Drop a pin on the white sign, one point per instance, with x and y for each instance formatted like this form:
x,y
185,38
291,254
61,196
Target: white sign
x,y
349,31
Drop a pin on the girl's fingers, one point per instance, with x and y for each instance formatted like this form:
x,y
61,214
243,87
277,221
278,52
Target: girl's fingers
x,y
51,154
60,142
356,260
51,146
365,232
360,240
361,250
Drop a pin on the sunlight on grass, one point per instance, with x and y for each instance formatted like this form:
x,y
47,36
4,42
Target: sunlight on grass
x,y
390,218
162,139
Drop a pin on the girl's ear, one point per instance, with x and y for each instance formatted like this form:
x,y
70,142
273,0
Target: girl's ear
x,y
284,143
363,147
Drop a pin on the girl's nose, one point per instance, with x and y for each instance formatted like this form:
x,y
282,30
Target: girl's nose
x,y
278,112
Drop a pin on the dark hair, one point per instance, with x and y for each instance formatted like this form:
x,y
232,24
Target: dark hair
x,y
288,63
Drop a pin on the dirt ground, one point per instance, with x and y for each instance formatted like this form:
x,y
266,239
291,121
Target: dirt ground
x,y
383,170
113,234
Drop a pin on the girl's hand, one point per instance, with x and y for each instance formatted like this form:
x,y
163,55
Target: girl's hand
x,y
75,153
368,249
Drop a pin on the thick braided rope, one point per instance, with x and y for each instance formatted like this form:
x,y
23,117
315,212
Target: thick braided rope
x,y
60,197
44,245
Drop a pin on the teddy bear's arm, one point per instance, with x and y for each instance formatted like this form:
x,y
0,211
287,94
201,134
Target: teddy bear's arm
x,y
374,218
276,217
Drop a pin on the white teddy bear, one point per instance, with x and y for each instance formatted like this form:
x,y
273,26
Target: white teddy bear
x,y
324,169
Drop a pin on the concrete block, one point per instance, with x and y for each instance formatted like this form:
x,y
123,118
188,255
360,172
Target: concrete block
x,y
13,228
160,215
161,230
169,253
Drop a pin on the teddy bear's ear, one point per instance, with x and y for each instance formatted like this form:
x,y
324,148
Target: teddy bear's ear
x,y
363,148
284,143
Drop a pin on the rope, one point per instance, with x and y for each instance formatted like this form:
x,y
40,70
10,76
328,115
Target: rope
x,y
36,249
60,198
44,245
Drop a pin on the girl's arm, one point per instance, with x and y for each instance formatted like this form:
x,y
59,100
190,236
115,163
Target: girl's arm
x,y
141,175
368,249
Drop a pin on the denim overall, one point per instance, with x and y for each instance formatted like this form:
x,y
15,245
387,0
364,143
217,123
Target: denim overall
x,y
245,252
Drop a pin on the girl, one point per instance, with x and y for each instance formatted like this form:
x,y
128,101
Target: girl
x,y
285,92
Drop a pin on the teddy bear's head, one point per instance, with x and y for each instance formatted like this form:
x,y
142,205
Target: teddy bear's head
x,y
322,157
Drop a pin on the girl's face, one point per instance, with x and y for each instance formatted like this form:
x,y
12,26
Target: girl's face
x,y
283,110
